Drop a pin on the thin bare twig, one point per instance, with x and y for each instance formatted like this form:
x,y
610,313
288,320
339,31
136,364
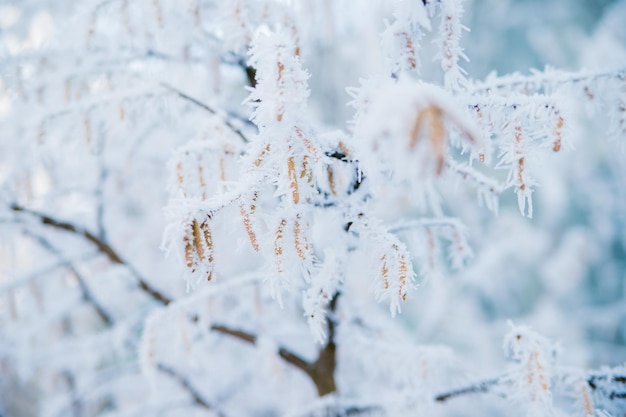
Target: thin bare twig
x,y
186,384
594,381
481,387
206,107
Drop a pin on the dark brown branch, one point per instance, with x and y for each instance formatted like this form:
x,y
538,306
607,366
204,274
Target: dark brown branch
x,y
481,387
187,386
238,334
69,227
288,356
250,73
594,381
206,107
99,243
322,371
293,359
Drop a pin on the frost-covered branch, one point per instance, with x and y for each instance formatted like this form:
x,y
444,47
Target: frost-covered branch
x,y
540,79
594,381
208,108
321,371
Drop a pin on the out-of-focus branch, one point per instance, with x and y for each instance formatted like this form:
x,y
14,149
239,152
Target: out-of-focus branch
x,y
321,372
102,246
206,107
480,387
594,382
288,356
542,79
82,283
187,386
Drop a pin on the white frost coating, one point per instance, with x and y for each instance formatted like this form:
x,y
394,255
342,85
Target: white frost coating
x,y
450,30
315,299
403,130
91,116
531,378
236,28
281,91
401,39
394,276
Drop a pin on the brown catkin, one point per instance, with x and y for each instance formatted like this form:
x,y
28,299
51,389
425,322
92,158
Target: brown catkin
x,y
437,139
312,150
536,369
293,179
301,244
208,242
261,156
305,165
587,399
520,162
520,174
278,245
402,277
180,178
557,133
437,134
188,252
201,180
222,169
410,50
197,239
331,180
384,271
281,109
415,129
247,222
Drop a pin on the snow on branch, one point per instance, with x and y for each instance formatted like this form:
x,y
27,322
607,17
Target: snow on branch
x,y
401,39
450,30
540,80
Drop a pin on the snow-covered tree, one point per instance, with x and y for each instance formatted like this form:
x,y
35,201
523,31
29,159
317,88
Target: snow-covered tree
x,y
192,222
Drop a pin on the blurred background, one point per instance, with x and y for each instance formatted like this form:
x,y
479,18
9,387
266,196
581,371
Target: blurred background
x,y
563,272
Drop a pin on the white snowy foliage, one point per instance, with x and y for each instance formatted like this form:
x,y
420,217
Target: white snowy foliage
x,y
282,90
315,299
401,39
361,260
450,31
532,376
